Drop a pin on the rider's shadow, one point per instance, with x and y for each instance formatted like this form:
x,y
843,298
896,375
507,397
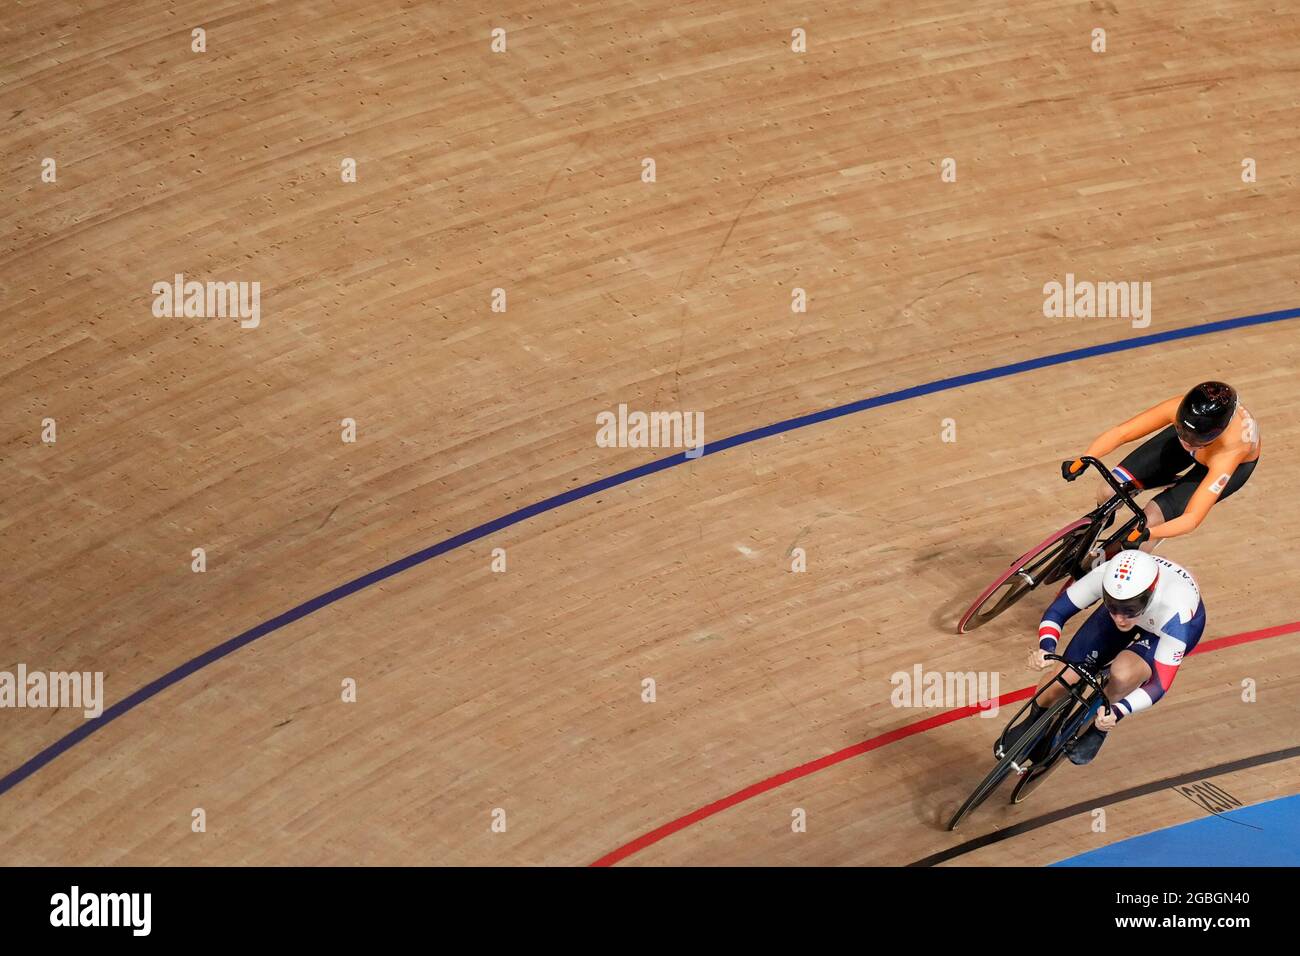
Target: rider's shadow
x,y
941,767
950,757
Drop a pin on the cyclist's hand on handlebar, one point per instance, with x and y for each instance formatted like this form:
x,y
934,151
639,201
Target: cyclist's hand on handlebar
x,y
1135,538
1106,721
1072,469
1038,659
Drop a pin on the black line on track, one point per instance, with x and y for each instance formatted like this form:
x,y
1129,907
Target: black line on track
x,y
997,836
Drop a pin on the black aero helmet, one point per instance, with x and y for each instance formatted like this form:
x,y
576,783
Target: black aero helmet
x,y
1205,412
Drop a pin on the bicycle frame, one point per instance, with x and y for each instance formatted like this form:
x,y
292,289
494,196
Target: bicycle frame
x,y
1072,712
1088,679
1102,514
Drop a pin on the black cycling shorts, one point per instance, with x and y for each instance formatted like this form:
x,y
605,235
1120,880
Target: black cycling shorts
x,y
1161,461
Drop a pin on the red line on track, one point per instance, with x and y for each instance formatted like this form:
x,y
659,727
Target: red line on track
x,y
875,743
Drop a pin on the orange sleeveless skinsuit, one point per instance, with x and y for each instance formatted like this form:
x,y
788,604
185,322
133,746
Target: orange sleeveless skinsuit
x,y
1239,444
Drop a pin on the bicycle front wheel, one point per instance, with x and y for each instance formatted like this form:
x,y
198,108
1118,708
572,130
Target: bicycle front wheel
x,y
1010,760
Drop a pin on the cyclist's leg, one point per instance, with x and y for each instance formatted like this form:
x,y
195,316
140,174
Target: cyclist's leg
x,y
1134,666
1157,462
1130,669
1173,501
1239,478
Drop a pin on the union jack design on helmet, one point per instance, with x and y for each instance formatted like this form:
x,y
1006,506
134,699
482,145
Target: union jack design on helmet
x,y
1129,582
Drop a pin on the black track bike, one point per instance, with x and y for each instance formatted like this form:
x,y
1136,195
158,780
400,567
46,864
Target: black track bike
x,y
1037,751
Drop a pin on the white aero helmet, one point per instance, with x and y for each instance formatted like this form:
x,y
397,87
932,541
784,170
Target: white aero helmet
x,y
1128,582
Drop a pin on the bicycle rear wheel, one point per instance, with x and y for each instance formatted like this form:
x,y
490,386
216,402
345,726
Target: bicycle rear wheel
x,y
1044,564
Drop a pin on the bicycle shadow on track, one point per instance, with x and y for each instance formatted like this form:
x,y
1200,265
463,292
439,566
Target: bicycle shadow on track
x,y
979,564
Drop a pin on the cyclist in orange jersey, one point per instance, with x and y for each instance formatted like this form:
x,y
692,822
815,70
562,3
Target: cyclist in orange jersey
x,y
1206,448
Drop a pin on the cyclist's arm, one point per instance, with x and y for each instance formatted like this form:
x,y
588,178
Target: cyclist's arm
x,y
1219,472
1169,654
1144,424
1083,593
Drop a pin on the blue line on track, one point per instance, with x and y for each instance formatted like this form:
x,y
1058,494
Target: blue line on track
x,y
176,675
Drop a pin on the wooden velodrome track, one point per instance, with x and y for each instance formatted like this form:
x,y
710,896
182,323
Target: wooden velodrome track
x,y
521,170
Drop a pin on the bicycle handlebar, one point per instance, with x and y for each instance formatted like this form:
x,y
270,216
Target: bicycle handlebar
x,y
1086,675
1120,488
